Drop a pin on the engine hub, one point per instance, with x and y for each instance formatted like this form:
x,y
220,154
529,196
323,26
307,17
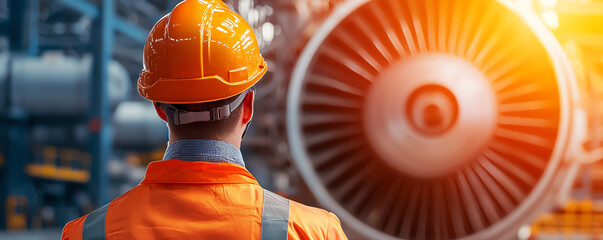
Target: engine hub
x,y
448,114
432,110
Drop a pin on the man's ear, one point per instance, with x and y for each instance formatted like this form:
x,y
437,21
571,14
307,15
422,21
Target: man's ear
x,y
160,111
248,107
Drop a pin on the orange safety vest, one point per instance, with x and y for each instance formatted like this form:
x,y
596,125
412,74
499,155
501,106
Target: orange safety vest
x,y
201,200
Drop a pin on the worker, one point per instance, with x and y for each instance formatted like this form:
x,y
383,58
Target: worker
x,y
201,62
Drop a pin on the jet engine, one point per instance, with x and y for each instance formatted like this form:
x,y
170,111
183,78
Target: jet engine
x,y
435,119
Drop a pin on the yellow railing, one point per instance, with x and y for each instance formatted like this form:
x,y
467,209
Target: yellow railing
x,y
62,169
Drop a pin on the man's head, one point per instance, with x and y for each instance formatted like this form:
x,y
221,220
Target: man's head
x,y
196,59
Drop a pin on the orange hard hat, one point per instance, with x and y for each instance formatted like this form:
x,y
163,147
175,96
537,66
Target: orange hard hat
x,y
200,52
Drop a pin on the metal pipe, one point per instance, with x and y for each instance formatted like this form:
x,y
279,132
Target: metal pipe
x,y
99,116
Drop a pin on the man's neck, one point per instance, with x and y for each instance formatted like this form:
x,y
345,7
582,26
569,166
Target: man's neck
x,y
231,139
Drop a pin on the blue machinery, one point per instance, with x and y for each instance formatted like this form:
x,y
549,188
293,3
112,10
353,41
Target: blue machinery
x,y
72,171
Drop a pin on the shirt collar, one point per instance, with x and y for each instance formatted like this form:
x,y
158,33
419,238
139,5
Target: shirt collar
x,y
204,150
176,171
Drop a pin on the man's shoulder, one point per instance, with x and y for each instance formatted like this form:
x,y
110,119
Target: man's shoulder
x,y
311,216
313,223
73,229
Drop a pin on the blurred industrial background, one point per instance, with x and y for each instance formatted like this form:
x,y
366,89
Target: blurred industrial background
x,y
409,119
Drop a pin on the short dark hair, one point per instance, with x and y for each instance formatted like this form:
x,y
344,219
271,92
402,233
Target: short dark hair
x,y
212,129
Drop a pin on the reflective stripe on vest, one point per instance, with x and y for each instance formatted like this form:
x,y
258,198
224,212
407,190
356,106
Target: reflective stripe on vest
x,y
94,224
275,219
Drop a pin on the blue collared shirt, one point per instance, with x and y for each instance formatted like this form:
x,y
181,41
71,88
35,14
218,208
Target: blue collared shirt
x,y
204,150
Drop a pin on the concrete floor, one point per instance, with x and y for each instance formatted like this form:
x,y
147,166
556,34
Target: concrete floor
x,y
46,234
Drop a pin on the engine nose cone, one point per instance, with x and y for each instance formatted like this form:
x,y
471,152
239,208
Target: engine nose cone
x,y
448,115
